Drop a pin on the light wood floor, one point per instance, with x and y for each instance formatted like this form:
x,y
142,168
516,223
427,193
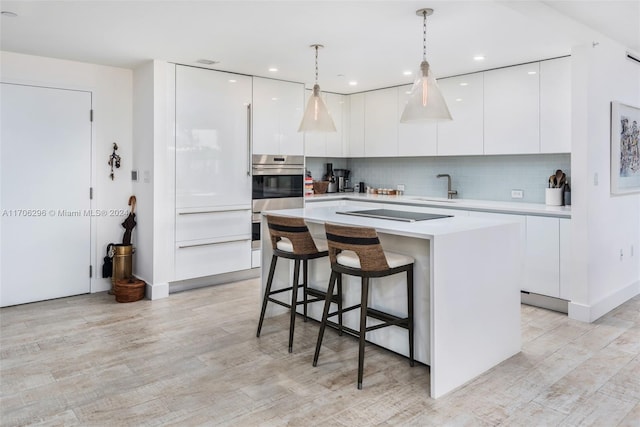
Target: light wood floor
x,y
193,359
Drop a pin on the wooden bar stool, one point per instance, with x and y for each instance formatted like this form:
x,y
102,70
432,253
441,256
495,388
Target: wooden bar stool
x,y
356,251
290,239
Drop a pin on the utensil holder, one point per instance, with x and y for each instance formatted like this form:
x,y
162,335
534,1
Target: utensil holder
x,y
553,196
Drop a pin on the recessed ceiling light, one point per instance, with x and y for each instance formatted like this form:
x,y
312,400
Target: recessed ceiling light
x,y
407,73
232,80
273,69
458,99
408,92
478,58
207,61
531,73
353,83
274,99
9,14
464,84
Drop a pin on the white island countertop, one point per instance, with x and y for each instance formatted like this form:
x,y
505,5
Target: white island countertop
x,y
467,281
516,208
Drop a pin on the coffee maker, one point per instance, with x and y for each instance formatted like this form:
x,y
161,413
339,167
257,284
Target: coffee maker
x,y
342,176
333,181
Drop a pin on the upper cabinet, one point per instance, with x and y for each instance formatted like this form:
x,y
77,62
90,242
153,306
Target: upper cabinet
x,y
355,143
414,139
512,110
381,123
277,112
329,144
555,106
464,134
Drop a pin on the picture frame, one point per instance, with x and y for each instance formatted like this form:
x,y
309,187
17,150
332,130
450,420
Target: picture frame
x,y
625,149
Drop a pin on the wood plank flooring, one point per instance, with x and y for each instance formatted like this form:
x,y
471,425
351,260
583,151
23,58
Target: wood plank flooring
x,y
193,359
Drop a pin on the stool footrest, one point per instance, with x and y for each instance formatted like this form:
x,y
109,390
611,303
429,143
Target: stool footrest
x,y
284,304
390,319
277,291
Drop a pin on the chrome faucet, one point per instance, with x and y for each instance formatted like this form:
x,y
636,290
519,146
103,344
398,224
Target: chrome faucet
x,y
450,192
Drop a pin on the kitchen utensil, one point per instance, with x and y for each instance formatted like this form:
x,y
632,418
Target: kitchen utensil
x,y
563,179
552,181
559,174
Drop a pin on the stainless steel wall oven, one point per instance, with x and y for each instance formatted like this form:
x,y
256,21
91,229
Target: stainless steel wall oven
x,y
277,183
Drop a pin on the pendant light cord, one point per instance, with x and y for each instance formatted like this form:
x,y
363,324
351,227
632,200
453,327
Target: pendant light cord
x,y
424,36
316,64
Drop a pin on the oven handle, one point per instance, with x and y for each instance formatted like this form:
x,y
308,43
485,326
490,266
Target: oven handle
x,y
249,142
277,170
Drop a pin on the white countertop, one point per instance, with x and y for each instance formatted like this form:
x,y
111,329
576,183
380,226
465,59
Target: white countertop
x,y
517,208
419,229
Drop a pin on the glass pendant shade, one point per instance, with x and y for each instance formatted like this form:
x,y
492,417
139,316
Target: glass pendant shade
x,y
316,115
426,102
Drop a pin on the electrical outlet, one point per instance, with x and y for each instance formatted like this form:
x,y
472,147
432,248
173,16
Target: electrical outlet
x,y
631,250
621,254
400,187
134,175
517,194
595,179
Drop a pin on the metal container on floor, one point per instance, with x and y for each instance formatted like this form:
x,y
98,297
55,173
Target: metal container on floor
x,y
122,264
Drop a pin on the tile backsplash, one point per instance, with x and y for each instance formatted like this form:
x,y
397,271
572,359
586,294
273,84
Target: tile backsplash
x,y
474,177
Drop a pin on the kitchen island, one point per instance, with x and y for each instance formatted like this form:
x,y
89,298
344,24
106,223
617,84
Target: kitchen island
x,y
467,278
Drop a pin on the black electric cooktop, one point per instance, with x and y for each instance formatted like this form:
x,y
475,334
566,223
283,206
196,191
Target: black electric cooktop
x,y
395,215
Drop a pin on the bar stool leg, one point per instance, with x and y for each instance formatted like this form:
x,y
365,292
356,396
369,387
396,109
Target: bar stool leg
x,y
305,283
410,312
325,315
363,328
267,291
294,300
340,304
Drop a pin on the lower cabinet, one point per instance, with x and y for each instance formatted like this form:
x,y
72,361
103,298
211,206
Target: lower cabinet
x,y
542,256
212,241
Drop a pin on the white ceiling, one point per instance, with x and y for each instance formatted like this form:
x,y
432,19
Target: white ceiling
x,y
371,42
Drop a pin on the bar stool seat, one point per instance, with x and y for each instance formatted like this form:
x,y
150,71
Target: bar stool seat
x,y
291,239
356,251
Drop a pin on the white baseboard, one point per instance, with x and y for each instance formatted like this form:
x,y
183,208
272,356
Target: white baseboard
x,y
157,290
590,313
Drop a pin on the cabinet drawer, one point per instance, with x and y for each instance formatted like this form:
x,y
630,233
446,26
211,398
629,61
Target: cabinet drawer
x,y
207,259
203,224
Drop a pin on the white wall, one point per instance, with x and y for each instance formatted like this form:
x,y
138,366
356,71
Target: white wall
x,y
154,158
602,224
112,104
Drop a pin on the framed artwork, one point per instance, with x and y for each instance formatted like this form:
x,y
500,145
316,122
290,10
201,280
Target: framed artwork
x,y
625,148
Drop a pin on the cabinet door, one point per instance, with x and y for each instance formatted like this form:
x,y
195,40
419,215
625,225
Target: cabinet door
x,y
355,148
381,123
277,112
565,259
511,110
555,106
464,134
334,141
414,139
212,144
542,265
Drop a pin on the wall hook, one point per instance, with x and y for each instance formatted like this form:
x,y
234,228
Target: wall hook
x,y
114,160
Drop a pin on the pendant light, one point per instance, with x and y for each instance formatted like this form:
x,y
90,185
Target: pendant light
x,y
425,102
316,116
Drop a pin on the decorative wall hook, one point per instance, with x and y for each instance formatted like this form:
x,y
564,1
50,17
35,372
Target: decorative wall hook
x,y
114,160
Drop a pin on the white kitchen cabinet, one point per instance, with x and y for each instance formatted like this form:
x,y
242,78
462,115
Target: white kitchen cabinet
x,y
414,139
212,165
555,106
212,143
277,112
355,145
565,259
542,262
511,110
381,123
329,144
464,134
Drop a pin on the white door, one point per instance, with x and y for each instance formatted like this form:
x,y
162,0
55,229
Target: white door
x,y
45,159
